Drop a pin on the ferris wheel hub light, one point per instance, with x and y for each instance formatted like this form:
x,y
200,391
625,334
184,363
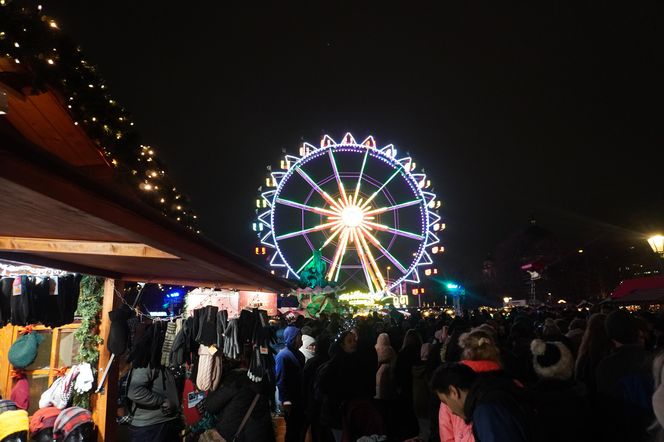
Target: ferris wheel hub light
x,y
352,216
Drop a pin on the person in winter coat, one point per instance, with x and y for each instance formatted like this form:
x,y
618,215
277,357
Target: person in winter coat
x,y
624,379
311,405
155,398
481,354
337,382
289,364
575,334
385,387
562,403
231,402
493,404
595,346
657,427
408,361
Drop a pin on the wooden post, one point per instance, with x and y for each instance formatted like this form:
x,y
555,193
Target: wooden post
x,y
104,404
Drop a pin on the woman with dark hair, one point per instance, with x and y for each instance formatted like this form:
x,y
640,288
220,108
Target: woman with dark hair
x,y
337,383
595,345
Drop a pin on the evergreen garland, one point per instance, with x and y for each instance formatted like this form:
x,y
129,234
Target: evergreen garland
x,y
44,59
89,308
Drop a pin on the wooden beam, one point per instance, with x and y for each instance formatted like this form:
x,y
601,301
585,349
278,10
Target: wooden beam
x,y
27,258
41,245
105,403
216,284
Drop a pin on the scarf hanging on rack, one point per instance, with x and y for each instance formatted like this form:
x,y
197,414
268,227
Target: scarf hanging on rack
x,y
209,368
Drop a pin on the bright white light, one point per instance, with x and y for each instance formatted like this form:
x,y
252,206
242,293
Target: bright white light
x,y
352,216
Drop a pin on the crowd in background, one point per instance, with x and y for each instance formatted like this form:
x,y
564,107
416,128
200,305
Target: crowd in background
x,y
523,375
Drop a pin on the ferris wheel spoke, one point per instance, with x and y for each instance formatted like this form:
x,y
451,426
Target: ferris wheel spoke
x,y
394,207
335,231
317,188
365,266
373,195
359,179
341,258
337,254
371,259
384,251
309,230
342,191
389,229
314,209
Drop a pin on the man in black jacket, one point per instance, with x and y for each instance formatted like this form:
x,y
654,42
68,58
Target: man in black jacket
x,y
624,380
490,402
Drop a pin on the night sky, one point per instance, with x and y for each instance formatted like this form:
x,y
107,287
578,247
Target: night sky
x,y
553,109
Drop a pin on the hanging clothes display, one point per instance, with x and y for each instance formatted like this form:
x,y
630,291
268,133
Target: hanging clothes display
x,y
20,393
231,340
169,338
20,303
118,335
222,322
49,300
207,327
6,287
209,369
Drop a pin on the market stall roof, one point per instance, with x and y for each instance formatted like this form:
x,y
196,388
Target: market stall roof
x,y
60,207
642,296
630,286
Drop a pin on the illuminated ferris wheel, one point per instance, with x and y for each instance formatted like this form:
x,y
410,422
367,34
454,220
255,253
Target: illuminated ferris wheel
x,y
365,209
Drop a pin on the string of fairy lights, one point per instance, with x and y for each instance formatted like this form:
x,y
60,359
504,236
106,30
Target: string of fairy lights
x,y
44,59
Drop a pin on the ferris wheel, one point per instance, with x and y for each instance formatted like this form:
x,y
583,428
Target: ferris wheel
x,y
362,209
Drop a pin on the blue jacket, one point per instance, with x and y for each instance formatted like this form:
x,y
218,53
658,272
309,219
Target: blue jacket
x,y
498,411
289,364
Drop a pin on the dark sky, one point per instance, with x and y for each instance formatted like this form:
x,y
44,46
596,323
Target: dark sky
x,y
553,109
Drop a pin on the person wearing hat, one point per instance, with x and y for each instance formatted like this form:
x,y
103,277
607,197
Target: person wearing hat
x,y
308,347
73,424
14,426
562,403
42,422
7,405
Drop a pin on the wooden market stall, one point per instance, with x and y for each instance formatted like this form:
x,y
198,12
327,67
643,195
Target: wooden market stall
x,y
63,207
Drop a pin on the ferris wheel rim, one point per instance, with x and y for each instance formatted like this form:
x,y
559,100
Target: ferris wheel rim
x,y
399,165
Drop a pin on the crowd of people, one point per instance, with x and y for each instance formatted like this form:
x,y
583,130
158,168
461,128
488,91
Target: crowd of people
x,y
524,375
520,375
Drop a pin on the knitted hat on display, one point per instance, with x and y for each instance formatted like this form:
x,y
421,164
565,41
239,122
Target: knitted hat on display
x,y
552,360
42,419
13,421
7,405
68,420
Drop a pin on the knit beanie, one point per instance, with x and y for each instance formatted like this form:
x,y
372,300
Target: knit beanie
x,y
13,421
42,419
7,405
552,360
68,420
